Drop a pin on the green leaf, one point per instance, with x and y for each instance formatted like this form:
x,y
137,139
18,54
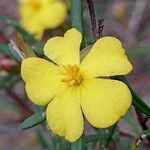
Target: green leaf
x,y
77,17
78,145
15,53
20,48
33,120
23,46
139,103
8,50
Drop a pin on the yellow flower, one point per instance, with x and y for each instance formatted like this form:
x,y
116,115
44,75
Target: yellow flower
x,y
72,88
38,15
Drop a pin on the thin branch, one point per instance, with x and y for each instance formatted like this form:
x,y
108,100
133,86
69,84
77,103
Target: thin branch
x,y
94,28
77,17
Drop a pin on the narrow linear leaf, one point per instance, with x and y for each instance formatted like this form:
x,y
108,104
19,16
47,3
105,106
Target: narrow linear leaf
x,y
15,52
9,50
24,47
77,17
33,120
19,45
139,103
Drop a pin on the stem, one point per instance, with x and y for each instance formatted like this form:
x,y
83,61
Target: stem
x,y
77,17
93,19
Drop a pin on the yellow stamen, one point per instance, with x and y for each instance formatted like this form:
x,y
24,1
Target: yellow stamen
x,y
71,75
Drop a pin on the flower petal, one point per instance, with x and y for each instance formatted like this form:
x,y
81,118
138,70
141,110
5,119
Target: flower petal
x,y
42,79
53,15
64,115
64,50
106,58
104,101
34,26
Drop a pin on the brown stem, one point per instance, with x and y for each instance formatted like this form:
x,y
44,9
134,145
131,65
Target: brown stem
x,y
91,8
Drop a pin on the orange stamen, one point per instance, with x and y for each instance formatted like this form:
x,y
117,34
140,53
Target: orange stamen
x,y
72,75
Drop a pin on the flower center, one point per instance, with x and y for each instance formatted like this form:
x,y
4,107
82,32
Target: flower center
x,y
71,75
34,4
